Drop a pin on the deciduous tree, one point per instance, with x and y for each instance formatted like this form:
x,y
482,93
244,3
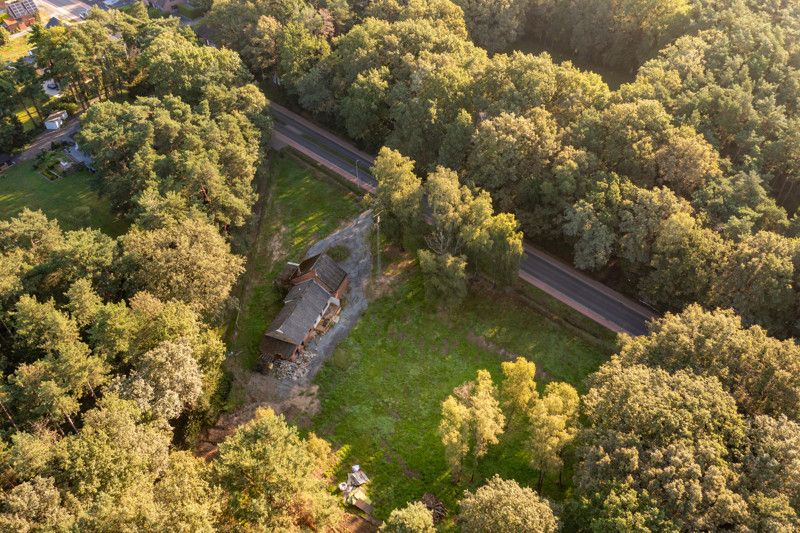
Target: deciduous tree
x,y
413,518
190,262
445,277
271,477
553,426
503,506
471,422
518,389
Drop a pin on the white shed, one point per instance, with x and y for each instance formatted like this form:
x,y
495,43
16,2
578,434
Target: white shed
x,y
55,120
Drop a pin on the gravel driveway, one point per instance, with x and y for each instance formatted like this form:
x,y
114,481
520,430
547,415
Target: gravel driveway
x,y
358,266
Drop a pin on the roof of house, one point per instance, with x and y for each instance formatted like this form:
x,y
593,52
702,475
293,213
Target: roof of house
x,y
303,306
270,346
328,272
53,22
56,115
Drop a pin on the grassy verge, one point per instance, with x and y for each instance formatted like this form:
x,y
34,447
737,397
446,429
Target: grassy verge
x,y
381,392
300,209
565,316
73,199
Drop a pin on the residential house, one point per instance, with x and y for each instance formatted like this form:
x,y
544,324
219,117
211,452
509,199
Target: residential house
x,y
324,271
13,25
167,6
310,307
55,120
21,9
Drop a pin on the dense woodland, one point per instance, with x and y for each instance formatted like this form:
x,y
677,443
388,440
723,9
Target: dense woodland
x,y
683,182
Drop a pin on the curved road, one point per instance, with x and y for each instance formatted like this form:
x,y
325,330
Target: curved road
x,y
558,279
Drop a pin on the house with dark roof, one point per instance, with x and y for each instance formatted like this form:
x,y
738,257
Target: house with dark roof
x,y
324,271
310,307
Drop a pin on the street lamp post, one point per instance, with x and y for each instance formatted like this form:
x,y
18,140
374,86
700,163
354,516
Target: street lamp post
x,y
378,242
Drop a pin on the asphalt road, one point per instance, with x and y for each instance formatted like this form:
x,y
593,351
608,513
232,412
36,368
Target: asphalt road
x,y
67,10
587,296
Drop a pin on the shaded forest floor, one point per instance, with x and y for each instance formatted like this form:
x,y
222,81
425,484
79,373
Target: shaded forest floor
x,y
613,77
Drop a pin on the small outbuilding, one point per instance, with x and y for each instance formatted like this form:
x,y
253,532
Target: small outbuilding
x,y
55,120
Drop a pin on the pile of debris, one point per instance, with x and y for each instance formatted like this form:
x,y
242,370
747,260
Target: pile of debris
x,y
293,370
354,491
435,506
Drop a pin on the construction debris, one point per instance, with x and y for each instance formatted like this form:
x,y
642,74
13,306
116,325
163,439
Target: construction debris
x,y
435,506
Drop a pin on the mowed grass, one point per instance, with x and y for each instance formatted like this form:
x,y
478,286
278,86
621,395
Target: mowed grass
x,y
382,390
301,209
73,199
15,49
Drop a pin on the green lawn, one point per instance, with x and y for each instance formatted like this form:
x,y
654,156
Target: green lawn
x,y
301,209
381,392
72,199
15,49
25,118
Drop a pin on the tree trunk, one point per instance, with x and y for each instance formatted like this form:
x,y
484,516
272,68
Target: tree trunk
x,y
8,415
38,108
71,423
91,389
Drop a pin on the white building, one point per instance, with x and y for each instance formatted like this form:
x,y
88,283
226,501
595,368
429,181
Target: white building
x,y
55,120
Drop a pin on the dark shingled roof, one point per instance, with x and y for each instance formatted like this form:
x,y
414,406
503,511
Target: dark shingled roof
x,y
304,304
270,346
329,273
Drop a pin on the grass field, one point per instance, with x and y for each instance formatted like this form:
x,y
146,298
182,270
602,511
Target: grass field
x,y
15,49
381,392
72,199
301,209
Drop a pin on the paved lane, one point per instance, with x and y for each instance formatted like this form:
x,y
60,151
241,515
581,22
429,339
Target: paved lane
x,y
66,10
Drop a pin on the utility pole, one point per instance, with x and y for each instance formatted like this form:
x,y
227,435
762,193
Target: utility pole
x,y
357,178
378,242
